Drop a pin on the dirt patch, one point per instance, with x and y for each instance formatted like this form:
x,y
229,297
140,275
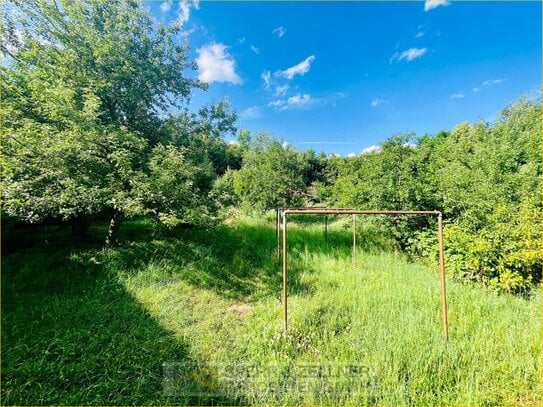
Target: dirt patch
x,y
240,309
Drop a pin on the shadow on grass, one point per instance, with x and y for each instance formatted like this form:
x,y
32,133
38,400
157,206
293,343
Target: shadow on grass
x,y
238,262
71,335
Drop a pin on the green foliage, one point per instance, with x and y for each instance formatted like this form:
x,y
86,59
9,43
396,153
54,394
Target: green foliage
x,y
224,191
490,177
178,186
485,178
271,175
85,88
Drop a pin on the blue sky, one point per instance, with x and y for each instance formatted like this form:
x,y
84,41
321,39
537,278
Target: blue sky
x,y
341,77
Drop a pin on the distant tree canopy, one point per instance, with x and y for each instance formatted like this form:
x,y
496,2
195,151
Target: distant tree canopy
x,y
86,90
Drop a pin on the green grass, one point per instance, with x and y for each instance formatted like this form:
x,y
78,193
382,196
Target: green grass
x,y
157,321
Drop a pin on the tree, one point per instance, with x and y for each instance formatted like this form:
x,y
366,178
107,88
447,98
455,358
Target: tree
x,y
271,176
86,87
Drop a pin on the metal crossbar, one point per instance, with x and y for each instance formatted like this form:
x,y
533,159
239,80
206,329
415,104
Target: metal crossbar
x,y
349,211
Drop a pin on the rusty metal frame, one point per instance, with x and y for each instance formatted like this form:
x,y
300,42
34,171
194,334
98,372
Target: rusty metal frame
x,y
347,211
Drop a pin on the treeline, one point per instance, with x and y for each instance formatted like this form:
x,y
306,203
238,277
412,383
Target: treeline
x,y
485,178
96,126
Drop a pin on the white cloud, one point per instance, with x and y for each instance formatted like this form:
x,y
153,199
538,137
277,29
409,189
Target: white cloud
x,y
431,4
285,145
300,69
183,13
371,149
277,103
420,34
165,6
255,49
266,77
492,82
377,102
251,113
299,99
279,31
351,155
489,82
216,65
409,55
457,96
295,101
281,90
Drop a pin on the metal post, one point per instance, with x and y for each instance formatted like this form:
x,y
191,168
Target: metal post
x,y
442,275
285,271
354,240
277,233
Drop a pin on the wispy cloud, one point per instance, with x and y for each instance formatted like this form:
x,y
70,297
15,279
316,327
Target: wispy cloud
x,y
420,34
165,6
216,65
281,90
299,69
279,31
377,102
295,101
431,4
487,83
492,82
408,55
255,49
266,77
299,100
457,96
251,113
183,13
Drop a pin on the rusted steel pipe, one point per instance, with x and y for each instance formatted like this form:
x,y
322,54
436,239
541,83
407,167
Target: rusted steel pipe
x,y
354,240
277,233
354,212
442,276
285,271
340,211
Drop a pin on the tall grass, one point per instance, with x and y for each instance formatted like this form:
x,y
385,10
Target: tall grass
x,y
195,317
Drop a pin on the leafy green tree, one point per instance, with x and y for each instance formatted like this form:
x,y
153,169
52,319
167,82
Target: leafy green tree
x,y
490,176
271,176
86,86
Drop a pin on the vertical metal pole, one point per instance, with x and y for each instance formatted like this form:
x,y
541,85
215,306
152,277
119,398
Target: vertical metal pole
x,y
354,240
285,271
277,233
442,276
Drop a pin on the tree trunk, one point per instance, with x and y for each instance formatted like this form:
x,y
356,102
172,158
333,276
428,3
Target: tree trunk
x,y
114,227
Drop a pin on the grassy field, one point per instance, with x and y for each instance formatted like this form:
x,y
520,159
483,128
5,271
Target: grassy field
x,y
194,317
